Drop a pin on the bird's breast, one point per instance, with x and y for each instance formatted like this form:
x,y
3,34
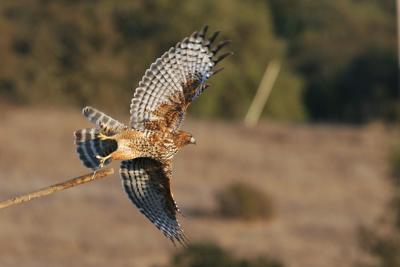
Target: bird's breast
x,y
156,145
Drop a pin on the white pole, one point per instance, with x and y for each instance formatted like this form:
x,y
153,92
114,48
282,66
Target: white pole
x,y
263,92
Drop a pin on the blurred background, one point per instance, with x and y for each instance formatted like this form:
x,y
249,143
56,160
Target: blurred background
x,y
316,182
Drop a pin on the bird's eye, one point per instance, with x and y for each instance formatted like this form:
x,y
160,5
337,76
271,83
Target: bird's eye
x,y
192,140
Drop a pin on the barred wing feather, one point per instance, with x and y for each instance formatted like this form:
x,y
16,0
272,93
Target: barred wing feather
x,y
104,122
146,181
173,81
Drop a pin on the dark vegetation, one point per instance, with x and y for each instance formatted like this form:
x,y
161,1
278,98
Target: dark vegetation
x,y
242,201
339,57
211,255
383,240
345,52
385,248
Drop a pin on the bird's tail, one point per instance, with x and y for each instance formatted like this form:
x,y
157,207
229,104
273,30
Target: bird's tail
x,y
94,148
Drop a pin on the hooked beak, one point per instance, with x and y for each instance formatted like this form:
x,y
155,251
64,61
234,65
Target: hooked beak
x,y
192,140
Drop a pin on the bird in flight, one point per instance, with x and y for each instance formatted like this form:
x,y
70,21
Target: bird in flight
x,y
147,145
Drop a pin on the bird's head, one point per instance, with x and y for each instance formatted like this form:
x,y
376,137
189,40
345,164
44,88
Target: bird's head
x,y
184,138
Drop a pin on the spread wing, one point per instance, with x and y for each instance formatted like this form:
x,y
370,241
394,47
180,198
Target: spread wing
x,y
173,81
147,183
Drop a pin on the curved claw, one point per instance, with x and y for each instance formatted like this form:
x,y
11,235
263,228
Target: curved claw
x,y
102,160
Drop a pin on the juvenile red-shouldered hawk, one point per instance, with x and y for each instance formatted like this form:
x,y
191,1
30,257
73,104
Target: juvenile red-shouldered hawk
x,y
147,146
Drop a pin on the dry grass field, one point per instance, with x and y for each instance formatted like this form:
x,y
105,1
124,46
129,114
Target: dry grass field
x,y
325,181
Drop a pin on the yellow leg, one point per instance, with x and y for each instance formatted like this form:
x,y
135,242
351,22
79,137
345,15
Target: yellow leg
x,y
102,160
103,137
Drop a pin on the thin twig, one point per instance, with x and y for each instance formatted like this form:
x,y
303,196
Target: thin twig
x,y
56,188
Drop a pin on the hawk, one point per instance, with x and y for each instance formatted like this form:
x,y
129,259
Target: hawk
x,y
147,145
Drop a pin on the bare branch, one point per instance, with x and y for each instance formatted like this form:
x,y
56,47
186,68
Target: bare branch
x,y
56,188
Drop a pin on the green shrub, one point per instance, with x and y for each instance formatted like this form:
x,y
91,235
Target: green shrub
x,y
240,200
394,166
383,242
211,255
384,248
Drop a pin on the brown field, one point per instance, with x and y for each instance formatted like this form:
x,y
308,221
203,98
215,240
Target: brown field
x,y
325,181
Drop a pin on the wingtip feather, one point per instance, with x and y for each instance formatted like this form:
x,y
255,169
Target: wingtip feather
x,y
203,31
221,57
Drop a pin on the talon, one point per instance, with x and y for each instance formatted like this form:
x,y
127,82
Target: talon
x,y
102,160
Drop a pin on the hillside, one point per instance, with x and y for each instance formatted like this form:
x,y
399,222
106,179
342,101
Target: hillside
x,y
325,181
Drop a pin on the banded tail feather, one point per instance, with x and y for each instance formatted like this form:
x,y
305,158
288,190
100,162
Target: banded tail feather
x,y
91,148
107,124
